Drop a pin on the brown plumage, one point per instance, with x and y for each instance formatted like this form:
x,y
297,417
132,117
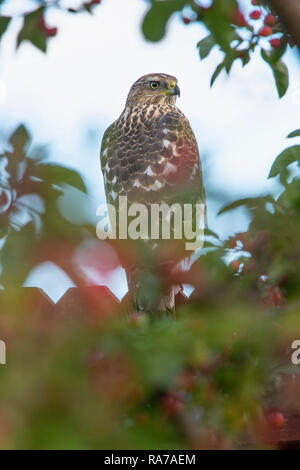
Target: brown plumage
x,y
150,153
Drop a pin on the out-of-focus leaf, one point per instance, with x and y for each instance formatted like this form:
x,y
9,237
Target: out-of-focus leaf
x,y
281,75
228,61
31,31
4,21
217,20
155,21
19,139
216,73
275,54
58,175
206,45
211,233
245,58
250,202
284,159
280,72
294,134
17,256
87,8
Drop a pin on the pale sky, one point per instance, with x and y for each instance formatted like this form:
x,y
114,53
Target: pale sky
x,y
70,95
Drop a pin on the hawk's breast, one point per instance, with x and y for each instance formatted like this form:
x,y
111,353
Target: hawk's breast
x,y
148,154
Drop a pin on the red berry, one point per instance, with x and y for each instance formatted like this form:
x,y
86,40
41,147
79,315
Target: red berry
x,y
235,265
92,2
275,296
254,2
51,32
48,32
3,198
243,237
186,20
42,23
275,43
270,20
238,18
172,403
231,243
255,14
276,419
265,31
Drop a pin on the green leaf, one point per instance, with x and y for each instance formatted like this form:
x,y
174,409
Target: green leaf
x,y
284,159
31,31
4,21
217,20
58,175
87,8
206,45
274,55
249,202
281,75
245,58
19,245
228,61
155,21
280,72
294,134
20,139
219,68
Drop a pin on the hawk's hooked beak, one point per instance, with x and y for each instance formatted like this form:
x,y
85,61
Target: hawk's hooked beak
x,y
173,89
176,90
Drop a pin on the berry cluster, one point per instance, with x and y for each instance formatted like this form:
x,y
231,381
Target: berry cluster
x,y
266,29
269,21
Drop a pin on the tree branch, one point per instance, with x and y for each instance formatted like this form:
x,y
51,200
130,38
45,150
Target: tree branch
x,y
289,14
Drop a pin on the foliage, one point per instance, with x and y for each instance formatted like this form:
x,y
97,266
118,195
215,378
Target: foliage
x,y
228,29
236,36
133,381
103,376
29,215
35,28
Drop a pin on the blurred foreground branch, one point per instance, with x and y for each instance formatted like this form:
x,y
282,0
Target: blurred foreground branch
x,y
289,14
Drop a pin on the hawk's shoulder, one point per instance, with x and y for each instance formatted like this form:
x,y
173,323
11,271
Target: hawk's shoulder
x,y
107,137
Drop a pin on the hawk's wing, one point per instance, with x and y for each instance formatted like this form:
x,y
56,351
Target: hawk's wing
x,y
106,157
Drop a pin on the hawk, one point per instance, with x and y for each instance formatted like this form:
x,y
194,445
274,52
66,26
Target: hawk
x,y
150,154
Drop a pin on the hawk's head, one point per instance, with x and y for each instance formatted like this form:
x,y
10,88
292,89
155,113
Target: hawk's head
x,y
154,88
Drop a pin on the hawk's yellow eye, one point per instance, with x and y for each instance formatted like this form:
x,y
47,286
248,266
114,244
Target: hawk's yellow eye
x,y
154,85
